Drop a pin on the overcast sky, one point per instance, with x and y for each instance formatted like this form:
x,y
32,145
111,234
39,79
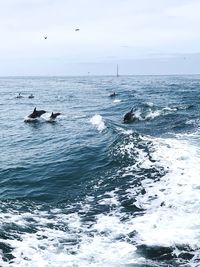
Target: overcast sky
x,y
142,36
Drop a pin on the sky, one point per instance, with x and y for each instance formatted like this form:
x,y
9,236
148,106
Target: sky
x,y
141,36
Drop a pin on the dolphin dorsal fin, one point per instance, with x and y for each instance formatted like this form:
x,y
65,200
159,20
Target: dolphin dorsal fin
x,y
34,109
132,110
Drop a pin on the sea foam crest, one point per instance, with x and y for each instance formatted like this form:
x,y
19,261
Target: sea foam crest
x,y
151,112
98,122
171,203
68,242
117,101
170,218
172,212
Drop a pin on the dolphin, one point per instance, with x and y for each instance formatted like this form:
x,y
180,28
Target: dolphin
x,y
19,96
113,94
129,116
36,113
31,96
54,115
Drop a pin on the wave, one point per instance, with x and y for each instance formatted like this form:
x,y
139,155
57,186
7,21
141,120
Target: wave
x,y
149,111
74,198
171,218
157,179
166,221
152,112
98,122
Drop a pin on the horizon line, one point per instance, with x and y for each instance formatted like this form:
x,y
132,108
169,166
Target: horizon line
x,y
98,75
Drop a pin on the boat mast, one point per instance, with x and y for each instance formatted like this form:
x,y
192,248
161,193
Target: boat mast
x,y
117,71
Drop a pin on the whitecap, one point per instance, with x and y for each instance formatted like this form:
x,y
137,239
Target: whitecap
x,y
150,104
172,216
153,114
98,122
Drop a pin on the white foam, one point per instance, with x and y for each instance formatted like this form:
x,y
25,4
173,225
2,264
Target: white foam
x,y
67,243
172,216
117,101
151,114
28,119
73,242
150,104
169,109
126,132
41,118
177,221
156,113
98,122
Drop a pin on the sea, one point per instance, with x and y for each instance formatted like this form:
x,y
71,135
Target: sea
x,y
90,191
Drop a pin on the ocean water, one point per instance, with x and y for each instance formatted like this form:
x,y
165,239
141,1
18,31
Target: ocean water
x,y
88,190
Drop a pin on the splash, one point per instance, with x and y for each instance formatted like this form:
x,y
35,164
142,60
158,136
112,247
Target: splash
x,y
117,101
98,122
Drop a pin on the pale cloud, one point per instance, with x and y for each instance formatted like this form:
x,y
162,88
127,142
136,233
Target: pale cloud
x,y
120,29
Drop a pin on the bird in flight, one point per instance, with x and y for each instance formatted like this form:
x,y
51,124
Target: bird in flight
x,y
45,37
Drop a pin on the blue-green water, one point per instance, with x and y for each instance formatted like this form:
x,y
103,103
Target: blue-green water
x,y
89,190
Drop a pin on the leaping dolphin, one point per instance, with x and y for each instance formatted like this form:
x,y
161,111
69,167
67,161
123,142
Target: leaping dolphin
x,y
54,115
36,113
129,116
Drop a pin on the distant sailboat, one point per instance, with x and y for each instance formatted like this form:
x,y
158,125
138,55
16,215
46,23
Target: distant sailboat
x,y
117,71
